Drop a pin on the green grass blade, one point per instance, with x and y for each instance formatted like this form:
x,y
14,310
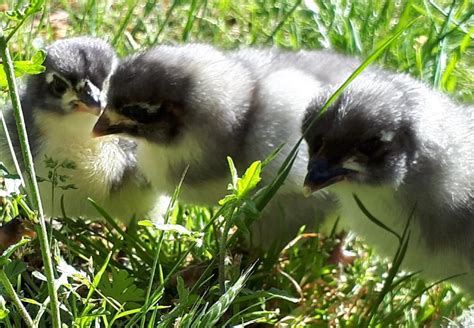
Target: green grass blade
x,y
374,219
158,249
215,312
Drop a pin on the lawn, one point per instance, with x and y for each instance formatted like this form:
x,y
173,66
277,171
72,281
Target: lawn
x,y
191,272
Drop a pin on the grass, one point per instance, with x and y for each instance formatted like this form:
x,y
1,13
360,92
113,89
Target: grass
x,y
185,273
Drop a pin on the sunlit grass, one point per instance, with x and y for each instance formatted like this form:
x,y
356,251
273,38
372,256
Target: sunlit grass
x,y
108,269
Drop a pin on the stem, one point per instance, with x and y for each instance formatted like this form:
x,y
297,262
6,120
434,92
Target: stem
x,y
15,29
15,299
31,176
50,233
222,249
11,148
153,272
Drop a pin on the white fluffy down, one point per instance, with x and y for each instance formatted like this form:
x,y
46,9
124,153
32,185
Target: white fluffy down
x,y
97,162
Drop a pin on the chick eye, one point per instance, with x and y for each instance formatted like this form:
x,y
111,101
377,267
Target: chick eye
x,y
58,86
140,113
370,146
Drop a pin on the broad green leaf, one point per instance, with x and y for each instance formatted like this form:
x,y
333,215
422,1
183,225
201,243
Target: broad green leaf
x,y
227,199
121,287
14,268
22,67
4,258
3,78
32,66
34,6
14,15
183,292
3,309
233,174
249,180
18,15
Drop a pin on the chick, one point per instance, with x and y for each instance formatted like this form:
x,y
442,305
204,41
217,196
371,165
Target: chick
x,y
60,107
194,105
400,146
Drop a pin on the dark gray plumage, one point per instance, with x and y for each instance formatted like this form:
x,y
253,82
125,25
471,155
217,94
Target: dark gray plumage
x,y
399,145
195,105
60,107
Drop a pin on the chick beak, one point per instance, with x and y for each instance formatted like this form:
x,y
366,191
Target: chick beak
x,y
89,99
321,174
111,122
103,126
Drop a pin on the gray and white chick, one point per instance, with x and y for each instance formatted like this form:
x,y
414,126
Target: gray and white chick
x,y
60,107
194,105
400,146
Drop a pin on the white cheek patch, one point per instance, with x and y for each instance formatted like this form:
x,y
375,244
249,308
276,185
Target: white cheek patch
x,y
151,109
387,136
352,164
81,84
49,77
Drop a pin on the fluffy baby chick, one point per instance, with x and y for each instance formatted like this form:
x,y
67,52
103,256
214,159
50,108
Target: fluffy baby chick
x,y
194,105
60,107
400,146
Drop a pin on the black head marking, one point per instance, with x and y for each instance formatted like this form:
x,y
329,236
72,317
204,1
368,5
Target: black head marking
x,y
148,79
69,64
151,91
364,132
